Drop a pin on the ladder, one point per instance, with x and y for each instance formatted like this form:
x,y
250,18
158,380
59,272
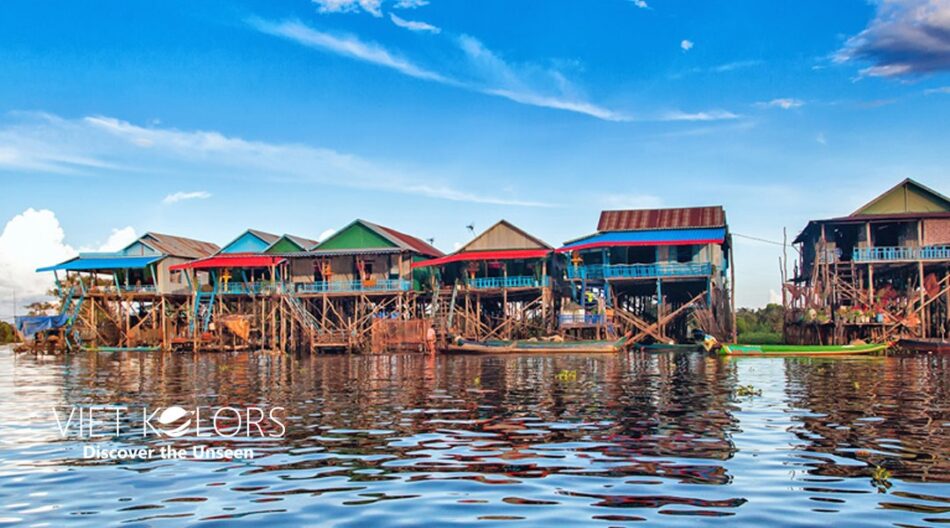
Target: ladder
x,y
204,307
71,309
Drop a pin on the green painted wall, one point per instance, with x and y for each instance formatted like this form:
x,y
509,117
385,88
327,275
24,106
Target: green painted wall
x,y
906,199
284,246
356,236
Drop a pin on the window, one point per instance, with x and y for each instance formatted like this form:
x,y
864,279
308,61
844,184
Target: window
x,y
684,253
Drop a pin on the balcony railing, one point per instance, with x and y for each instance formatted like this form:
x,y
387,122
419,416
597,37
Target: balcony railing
x,y
640,271
895,253
248,288
488,283
378,285
127,288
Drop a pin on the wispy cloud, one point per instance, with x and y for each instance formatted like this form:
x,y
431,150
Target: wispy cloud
x,y
686,45
906,37
940,90
182,196
736,65
641,4
113,146
413,25
712,115
373,7
347,46
493,76
785,103
410,4
820,138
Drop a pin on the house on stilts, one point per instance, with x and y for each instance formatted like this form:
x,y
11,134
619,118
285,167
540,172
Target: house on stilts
x,y
497,286
879,274
655,274
128,297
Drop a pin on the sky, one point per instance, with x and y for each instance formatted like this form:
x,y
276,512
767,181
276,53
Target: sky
x,y
202,119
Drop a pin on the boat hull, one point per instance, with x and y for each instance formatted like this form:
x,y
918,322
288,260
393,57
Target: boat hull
x,y
536,347
800,350
925,345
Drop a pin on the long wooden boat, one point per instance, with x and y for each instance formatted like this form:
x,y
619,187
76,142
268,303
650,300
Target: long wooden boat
x,y
662,347
535,347
925,345
122,349
801,350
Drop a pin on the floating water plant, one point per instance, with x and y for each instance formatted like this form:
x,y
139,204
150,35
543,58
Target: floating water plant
x,y
881,479
747,390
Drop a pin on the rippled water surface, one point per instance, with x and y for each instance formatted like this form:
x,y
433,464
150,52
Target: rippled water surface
x,y
668,439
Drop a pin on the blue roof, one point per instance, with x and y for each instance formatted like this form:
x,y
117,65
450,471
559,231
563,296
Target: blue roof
x,y
81,263
657,237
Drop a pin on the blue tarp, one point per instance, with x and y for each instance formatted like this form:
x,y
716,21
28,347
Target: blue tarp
x,y
658,237
102,263
29,325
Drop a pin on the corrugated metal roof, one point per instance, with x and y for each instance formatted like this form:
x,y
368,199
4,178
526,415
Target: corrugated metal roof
x,y
655,237
177,246
270,238
305,243
102,263
405,241
675,218
514,254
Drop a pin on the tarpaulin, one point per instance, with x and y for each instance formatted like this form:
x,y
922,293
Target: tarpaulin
x,y
512,254
30,325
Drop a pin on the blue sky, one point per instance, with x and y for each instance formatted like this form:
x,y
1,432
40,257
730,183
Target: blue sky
x,y
299,116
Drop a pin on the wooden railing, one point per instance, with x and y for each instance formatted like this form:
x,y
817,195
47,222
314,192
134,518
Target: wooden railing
x,y
375,285
639,271
898,253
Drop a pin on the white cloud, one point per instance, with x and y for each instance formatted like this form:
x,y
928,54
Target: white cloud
x,y
712,115
30,240
118,239
490,74
327,233
906,37
212,154
821,138
349,6
784,103
347,46
940,90
686,45
410,4
181,196
413,25
33,239
775,297
640,3
736,65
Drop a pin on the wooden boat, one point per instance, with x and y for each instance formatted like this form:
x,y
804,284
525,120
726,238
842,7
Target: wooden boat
x,y
122,349
925,345
536,347
801,350
663,347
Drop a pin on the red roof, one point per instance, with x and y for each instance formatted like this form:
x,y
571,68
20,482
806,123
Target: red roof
x,y
413,242
231,260
511,254
677,218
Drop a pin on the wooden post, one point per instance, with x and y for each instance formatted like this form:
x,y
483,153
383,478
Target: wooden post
x,y
732,292
921,318
164,323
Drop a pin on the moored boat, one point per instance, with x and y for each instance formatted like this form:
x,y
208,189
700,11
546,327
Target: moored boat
x,y
536,347
925,345
801,350
664,347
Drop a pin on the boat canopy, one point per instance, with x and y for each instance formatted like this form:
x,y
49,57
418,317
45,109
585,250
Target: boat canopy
x,y
102,263
512,254
30,325
659,237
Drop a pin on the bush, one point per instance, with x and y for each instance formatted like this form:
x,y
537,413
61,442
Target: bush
x,y
761,338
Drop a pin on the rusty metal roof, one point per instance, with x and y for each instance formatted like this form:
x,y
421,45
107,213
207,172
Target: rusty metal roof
x,y
675,218
177,246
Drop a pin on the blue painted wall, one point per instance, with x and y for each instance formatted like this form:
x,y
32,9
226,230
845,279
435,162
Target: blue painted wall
x,y
246,243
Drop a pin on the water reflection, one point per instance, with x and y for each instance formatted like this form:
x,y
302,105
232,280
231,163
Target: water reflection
x,y
407,439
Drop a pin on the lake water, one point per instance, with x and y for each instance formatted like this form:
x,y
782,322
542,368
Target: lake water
x,y
407,440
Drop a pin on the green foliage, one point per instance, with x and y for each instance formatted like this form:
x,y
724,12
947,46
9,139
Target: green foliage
x,y
761,326
7,334
761,338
